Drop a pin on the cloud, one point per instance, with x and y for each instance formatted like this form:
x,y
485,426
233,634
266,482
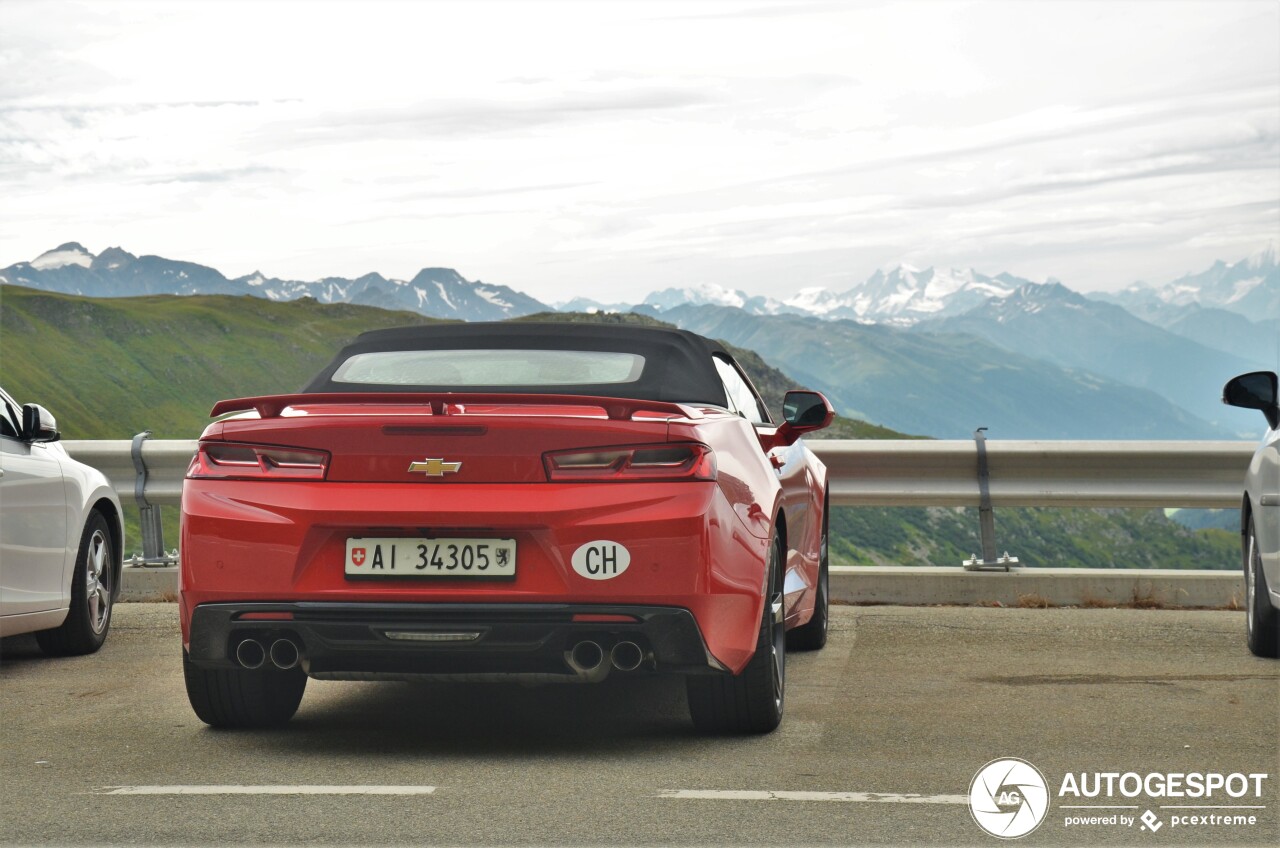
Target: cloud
x,y
1068,126
72,140
223,175
547,145
76,110
1261,153
776,10
499,191
477,117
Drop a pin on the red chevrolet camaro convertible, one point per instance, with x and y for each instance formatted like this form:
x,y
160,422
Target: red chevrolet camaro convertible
x,y
534,502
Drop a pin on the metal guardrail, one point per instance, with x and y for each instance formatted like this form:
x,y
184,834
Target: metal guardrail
x,y
166,463
1035,473
873,473
151,472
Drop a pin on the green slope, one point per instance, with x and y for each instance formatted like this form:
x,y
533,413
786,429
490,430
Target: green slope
x,y
108,368
1040,538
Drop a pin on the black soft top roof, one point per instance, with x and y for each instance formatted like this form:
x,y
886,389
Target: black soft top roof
x,y
677,364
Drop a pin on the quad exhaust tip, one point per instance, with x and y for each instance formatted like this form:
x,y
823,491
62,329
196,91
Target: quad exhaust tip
x,y
626,656
284,654
586,656
250,654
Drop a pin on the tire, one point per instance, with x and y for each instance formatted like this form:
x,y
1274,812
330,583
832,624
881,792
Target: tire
x,y
1262,620
750,702
812,635
92,595
243,698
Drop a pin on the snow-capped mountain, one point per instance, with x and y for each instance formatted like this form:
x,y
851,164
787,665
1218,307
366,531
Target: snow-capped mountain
x,y
710,294
589,306
699,295
71,253
438,292
1248,287
816,301
902,296
906,295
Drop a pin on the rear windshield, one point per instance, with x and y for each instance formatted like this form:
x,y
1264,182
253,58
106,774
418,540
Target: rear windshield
x,y
490,368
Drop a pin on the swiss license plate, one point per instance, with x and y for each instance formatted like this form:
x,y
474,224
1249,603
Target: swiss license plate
x,y
412,557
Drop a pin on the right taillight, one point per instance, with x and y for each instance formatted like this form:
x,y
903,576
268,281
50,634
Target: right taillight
x,y
632,463
229,461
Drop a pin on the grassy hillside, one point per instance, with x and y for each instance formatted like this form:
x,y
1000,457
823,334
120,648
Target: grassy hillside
x,y
1040,538
108,368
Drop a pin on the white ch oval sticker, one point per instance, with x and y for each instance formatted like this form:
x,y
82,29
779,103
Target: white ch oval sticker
x,y
601,560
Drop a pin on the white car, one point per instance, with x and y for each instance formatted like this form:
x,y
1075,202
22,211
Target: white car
x,y
1260,514
61,535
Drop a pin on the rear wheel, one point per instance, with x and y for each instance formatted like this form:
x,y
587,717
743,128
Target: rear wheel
x,y
241,697
1262,620
92,592
750,702
812,635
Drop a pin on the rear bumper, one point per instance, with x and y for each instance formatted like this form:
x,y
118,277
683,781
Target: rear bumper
x,y
352,639
248,542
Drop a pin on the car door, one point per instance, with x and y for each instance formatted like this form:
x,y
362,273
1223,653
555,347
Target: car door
x,y
33,520
793,474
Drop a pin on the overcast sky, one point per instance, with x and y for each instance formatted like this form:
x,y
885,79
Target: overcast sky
x,y
610,148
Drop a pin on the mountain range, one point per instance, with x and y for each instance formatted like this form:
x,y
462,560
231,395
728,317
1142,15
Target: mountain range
x,y
902,296
435,292
1250,287
937,351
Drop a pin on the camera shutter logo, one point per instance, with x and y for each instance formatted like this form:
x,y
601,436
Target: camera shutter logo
x,y
1008,798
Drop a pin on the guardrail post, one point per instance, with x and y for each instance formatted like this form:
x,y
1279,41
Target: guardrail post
x,y
152,530
986,516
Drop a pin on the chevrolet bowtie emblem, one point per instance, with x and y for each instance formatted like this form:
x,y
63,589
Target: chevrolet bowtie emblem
x,y
435,467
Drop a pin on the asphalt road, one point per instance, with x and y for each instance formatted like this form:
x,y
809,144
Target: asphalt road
x,y
905,701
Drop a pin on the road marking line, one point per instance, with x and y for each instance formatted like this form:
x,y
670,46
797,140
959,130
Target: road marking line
x,y
768,795
265,790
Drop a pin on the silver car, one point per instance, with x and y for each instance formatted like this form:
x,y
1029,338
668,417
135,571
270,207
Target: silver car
x,y
61,536
1260,514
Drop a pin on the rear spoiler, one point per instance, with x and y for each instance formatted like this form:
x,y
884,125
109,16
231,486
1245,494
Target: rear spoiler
x,y
618,409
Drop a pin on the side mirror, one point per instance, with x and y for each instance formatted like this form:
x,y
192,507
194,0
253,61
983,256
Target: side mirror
x,y
38,425
1255,390
803,412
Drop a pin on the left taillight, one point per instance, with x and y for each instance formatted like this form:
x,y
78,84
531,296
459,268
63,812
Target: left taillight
x,y
228,461
632,463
